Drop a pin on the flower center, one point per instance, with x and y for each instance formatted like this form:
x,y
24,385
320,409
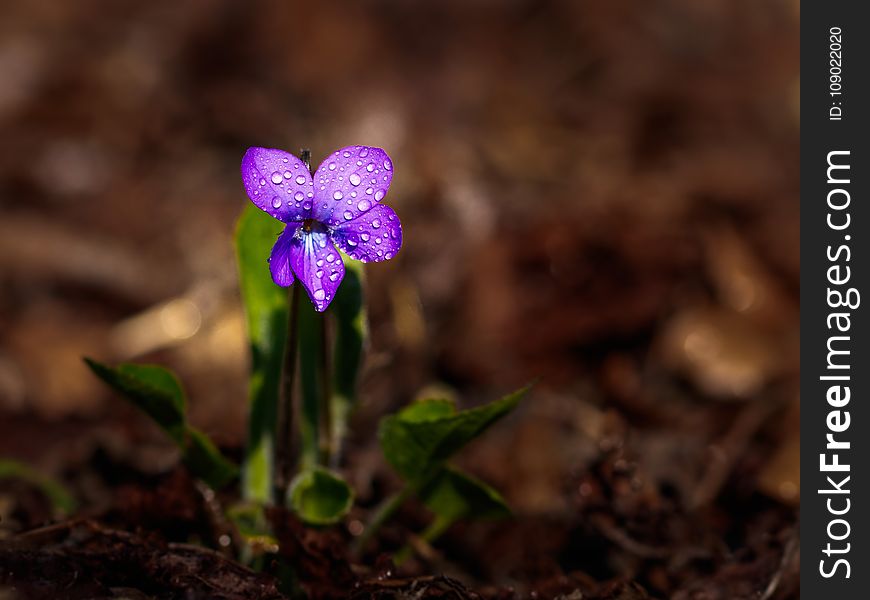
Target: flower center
x,y
312,225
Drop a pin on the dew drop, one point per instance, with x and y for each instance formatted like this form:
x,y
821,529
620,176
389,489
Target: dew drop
x,y
319,294
277,177
351,242
388,165
330,257
388,255
378,240
370,167
319,262
306,205
276,202
379,195
348,215
298,196
262,182
333,276
364,237
376,223
346,154
370,191
364,204
364,152
355,179
300,179
318,273
338,195
332,166
284,160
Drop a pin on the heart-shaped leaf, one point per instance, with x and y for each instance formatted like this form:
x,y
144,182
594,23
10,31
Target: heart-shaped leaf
x,y
157,392
418,440
319,496
453,495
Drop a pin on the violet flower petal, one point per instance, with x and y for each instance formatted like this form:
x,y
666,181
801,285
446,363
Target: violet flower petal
x,y
374,236
279,260
349,182
317,265
278,183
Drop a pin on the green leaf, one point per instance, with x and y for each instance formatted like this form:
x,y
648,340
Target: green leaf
x,y
319,496
427,410
418,440
266,314
157,392
61,500
351,336
153,389
453,495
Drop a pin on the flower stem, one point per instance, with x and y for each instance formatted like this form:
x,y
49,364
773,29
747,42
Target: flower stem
x,y
325,437
383,513
435,530
285,412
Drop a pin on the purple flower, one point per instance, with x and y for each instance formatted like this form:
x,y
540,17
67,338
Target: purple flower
x,y
339,207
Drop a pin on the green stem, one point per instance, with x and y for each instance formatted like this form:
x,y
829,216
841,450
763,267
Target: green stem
x,y
285,417
435,530
326,396
383,513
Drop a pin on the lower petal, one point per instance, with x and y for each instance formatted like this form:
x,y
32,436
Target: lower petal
x,y
279,260
373,236
318,265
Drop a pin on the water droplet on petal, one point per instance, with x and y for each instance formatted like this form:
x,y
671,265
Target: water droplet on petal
x,y
284,160
370,167
376,223
338,195
351,242
319,262
333,276
379,195
364,152
276,202
364,237
346,154
318,273
388,165
378,240
319,294
298,196
388,255
262,182
370,191
355,179
332,166
277,178
348,215
330,257
364,204
306,205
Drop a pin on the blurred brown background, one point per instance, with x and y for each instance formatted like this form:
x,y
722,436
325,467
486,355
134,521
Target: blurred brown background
x,y
600,194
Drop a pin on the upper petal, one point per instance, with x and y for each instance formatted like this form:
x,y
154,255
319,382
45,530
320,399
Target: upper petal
x,y
279,260
349,182
278,183
318,265
373,236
